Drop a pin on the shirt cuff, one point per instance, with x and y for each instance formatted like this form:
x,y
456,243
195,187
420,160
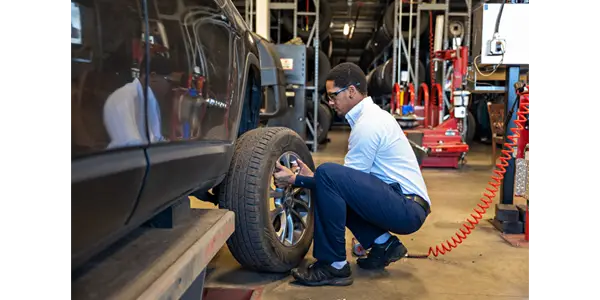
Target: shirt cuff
x,y
305,182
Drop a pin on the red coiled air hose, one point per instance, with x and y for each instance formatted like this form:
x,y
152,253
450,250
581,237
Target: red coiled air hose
x,y
488,197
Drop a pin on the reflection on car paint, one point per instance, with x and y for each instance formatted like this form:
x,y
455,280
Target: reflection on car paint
x,y
109,110
124,115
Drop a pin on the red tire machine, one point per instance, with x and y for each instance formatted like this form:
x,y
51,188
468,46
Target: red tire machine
x,y
442,138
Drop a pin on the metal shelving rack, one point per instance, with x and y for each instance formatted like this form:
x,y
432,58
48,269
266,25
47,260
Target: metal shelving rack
x,y
400,46
250,12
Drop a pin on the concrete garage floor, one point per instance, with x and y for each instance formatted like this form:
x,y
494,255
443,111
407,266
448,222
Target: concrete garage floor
x,y
483,267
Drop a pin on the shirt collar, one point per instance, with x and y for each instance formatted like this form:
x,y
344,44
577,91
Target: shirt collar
x,y
353,115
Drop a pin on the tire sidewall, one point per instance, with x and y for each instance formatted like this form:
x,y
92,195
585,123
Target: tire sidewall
x,y
282,142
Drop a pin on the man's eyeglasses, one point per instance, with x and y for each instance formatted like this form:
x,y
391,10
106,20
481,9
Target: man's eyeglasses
x,y
332,96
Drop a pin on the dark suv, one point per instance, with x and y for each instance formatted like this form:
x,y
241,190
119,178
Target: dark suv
x,y
166,99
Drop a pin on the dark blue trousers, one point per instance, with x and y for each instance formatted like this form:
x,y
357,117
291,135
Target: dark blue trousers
x,y
362,202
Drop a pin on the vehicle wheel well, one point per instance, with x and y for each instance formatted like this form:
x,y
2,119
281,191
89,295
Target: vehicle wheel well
x,y
253,99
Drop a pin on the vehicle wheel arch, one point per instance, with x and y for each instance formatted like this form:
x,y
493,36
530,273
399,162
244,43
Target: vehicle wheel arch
x,y
253,96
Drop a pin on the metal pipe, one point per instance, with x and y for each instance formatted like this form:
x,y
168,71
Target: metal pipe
x,y
402,44
468,29
395,54
252,15
296,18
316,83
411,70
444,64
417,45
246,8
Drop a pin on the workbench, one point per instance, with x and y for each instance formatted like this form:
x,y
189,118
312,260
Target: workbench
x,y
157,263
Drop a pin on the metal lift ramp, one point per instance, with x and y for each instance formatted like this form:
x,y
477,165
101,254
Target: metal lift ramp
x,y
168,262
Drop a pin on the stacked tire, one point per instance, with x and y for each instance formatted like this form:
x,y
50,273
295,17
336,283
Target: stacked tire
x,y
324,68
324,121
379,80
384,34
325,17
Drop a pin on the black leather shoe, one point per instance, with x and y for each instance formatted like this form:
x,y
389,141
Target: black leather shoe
x,y
381,256
321,273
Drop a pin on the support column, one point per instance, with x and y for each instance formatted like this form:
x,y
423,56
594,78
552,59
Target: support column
x,y
263,18
508,189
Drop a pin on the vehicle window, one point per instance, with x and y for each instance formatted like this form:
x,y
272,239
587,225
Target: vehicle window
x,y
106,96
191,58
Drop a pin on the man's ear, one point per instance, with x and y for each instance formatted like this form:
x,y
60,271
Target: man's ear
x,y
353,91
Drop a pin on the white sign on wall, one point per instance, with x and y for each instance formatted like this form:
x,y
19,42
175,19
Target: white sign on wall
x,y
287,63
513,29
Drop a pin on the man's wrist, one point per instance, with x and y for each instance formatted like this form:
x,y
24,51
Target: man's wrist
x,y
305,181
292,179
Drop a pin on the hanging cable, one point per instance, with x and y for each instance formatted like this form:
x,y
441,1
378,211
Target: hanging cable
x,y
496,33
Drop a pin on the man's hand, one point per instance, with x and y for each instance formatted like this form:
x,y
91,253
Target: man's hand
x,y
283,176
304,169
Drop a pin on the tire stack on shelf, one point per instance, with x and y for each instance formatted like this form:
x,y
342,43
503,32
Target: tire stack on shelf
x,y
324,113
384,34
379,80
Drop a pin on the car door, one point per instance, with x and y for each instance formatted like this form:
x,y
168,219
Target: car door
x,y
195,102
108,163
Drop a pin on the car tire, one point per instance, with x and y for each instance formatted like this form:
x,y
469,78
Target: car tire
x,y
245,191
324,68
324,121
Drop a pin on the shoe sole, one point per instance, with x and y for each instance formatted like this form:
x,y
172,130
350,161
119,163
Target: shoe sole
x,y
333,282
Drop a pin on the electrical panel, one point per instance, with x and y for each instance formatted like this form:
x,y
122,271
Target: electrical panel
x,y
510,45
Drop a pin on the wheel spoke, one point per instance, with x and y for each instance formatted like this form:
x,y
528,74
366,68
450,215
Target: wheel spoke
x,y
301,203
284,227
289,229
287,160
299,217
276,212
296,192
275,194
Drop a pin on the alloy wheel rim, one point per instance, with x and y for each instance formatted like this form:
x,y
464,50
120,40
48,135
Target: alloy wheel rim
x,y
289,208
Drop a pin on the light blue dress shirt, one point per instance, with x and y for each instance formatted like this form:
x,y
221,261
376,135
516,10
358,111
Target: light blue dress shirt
x,y
377,145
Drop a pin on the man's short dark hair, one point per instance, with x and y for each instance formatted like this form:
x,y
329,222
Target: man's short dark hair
x,y
346,74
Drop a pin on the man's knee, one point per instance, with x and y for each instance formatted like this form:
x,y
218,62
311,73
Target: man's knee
x,y
328,170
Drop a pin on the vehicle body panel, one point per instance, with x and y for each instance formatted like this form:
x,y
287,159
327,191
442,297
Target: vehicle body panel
x,y
107,138
136,150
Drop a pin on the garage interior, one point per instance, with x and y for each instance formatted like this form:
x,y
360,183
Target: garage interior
x,y
491,264
485,266
459,94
